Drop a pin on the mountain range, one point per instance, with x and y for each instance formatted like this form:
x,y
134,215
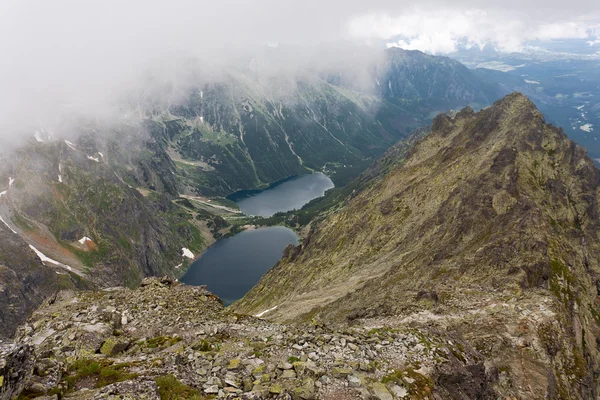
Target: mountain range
x,y
104,208
458,258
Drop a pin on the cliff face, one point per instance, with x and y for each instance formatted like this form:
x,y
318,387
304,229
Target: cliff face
x,y
488,227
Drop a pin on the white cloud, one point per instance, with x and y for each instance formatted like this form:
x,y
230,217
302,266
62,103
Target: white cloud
x,y
441,30
82,54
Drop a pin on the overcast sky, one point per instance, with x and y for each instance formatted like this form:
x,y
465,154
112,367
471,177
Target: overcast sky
x,y
71,51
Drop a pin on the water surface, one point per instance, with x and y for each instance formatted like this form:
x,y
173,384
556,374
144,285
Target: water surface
x,y
290,194
233,265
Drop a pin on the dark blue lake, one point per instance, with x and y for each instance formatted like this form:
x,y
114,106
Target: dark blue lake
x,y
233,265
290,194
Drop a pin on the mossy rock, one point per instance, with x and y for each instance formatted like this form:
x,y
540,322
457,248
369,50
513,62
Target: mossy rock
x,y
306,391
234,364
112,347
276,388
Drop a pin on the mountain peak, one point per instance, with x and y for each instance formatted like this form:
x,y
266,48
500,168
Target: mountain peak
x,y
489,208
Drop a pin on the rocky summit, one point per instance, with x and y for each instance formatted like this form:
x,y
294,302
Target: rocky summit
x,y
167,340
465,265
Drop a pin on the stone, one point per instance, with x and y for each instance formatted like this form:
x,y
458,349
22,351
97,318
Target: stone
x,y
353,381
231,382
276,388
399,391
100,328
212,389
234,364
37,387
16,366
112,346
247,384
299,367
258,372
285,366
288,374
380,391
306,391
341,372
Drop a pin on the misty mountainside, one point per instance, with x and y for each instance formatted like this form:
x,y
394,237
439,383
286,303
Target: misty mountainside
x,y
97,212
129,198
487,228
247,131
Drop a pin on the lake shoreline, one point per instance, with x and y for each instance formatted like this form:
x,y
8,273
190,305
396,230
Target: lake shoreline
x,y
235,264
283,196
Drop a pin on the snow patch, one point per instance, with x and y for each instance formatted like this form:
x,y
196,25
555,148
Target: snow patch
x,y
71,145
264,312
7,225
2,193
85,239
37,136
532,82
10,182
59,179
580,107
93,158
187,253
587,128
46,259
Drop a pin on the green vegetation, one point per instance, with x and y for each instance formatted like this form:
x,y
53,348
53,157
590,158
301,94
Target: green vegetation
x,y
561,282
162,342
100,372
22,222
420,386
169,388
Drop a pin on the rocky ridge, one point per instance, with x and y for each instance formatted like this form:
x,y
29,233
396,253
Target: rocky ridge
x,y
488,227
166,340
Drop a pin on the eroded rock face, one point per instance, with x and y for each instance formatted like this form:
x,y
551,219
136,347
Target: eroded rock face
x,y
16,365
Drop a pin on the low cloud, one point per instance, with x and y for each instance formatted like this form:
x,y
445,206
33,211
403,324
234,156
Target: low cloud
x,y
73,56
441,30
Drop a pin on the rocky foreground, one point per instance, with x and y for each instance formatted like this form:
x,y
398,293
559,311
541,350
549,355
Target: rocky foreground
x,y
167,340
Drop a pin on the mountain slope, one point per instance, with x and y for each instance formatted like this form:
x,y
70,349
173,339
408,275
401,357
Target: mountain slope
x,y
97,212
25,282
489,228
248,130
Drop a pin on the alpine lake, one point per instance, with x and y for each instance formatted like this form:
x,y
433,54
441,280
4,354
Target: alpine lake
x,y
233,265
